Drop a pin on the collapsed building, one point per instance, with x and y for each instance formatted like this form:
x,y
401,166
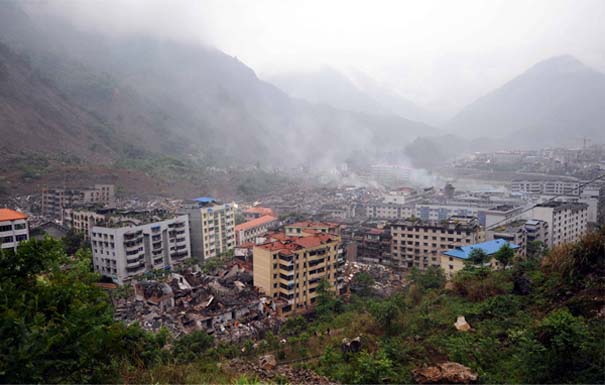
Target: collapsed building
x,y
224,305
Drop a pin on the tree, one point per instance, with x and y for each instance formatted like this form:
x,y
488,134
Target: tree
x,y
373,368
326,301
56,326
385,313
74,241
362,283
505,255
535,249
477,257
191,346
431,278
556,350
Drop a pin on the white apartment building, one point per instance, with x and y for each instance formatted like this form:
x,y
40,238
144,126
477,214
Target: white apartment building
x,y
546,187
567,221
381,210
127,251
13,229
249,231
417,243
82,220
55,201
212,227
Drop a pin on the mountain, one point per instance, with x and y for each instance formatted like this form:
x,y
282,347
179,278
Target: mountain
x,y
355,92
36,117
555,101
186,99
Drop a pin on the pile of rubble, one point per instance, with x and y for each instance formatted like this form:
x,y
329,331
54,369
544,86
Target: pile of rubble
x,y
445,373
225,305
267,370
386,280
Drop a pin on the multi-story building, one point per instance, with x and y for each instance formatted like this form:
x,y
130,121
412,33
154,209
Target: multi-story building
x,y
13,229
306,228
520,232
452,261
251,230
82,219
499,214
125,250
212,227
55,201
536,230
513,232
567,221
417,243
374,246
290,269
443,211
546,187
390,211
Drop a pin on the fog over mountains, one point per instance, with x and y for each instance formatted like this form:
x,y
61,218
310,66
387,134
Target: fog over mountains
x,y
555,101
180,98
101,97
356,92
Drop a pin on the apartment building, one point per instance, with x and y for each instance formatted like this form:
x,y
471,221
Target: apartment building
x,y
56,200
83,219
290,269
536,230
251,230
417,243
521,232
513,232
567,221
546,187
373,246
390,211
307,228
499,214
452,261
13,229
212,227
125,250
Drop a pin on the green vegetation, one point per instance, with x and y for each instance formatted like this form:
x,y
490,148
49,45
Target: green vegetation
x,y
56,326
539,321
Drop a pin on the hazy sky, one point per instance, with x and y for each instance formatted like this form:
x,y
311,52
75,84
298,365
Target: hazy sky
x,y
441,53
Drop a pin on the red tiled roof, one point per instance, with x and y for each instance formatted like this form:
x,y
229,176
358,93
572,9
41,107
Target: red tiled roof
x,y
11,215
297,243
255,222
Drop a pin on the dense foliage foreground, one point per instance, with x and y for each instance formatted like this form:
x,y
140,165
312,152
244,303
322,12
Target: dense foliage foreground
x,y
542,320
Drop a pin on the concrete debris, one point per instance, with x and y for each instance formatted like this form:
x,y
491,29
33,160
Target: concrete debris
x,y
461,324
351,346
267,362
225,305
288,373
387,281
445,373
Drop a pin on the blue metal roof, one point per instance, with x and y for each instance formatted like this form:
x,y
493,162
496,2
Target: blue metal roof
x,y
489,247
204,199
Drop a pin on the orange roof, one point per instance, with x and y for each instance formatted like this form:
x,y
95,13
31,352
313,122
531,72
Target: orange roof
x,y
297,243
11,215
255,222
